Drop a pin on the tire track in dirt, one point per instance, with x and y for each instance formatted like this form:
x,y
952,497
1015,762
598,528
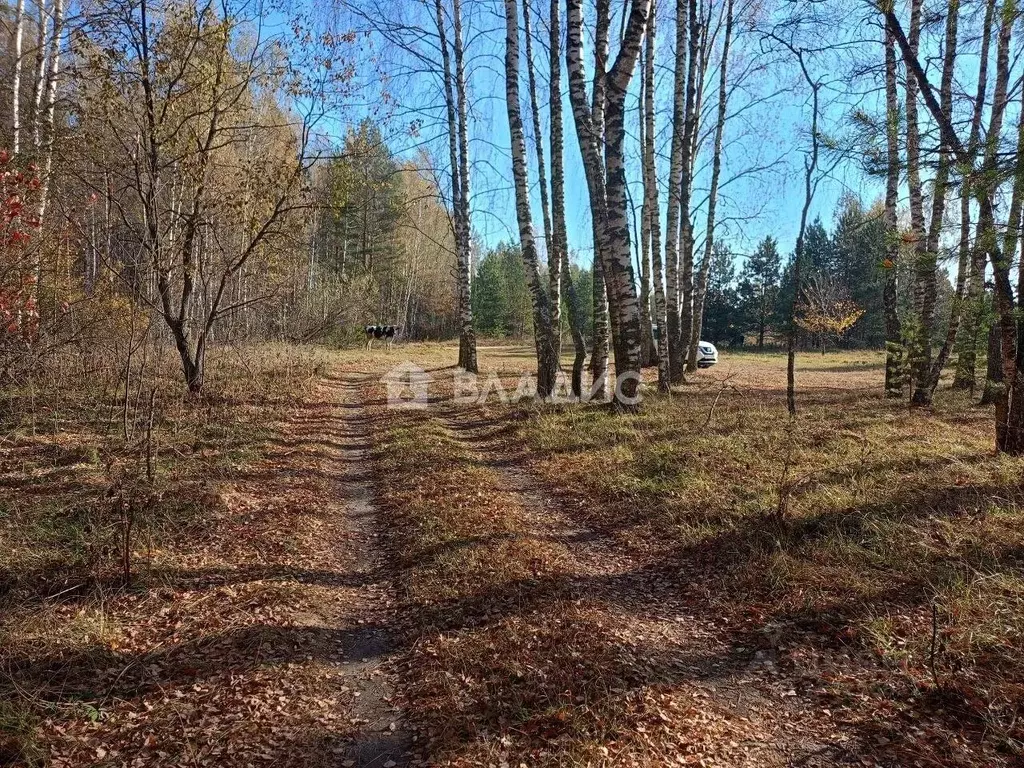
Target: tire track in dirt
x,y
748,693
379,738
592,552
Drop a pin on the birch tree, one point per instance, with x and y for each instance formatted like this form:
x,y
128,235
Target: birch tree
x,y
701,284
454,88
544,331
927,268
467,338
554,265
652,207
19,33
600,127
559,247
975,257
675,180
608,189
984,180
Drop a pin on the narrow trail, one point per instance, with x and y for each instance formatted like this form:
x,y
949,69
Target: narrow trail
x,y
593,553
381,740
760,717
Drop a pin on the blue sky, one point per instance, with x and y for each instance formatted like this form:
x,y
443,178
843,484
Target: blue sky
x,y
767,130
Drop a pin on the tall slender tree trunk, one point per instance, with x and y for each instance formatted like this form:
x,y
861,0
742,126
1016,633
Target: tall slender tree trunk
x,y
603,299
547,358
994,367
554,263
42,28
679,345
19,32
560,238
810,168
920,336
590,135
464,298
603,124
619,273
48,126
927,268
467,337
1010,400
649,353
973,309
652,205
675,175
701,287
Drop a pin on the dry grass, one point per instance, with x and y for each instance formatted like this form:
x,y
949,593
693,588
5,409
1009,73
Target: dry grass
x,y
703,583
876,553
75,639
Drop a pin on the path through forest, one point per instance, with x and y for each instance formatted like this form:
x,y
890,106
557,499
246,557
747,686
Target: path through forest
x,y
379,739
747,712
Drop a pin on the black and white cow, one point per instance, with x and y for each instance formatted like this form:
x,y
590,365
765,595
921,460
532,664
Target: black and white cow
x,y
386,332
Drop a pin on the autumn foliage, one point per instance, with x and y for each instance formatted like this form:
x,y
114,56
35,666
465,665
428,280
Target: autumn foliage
x,y
19,315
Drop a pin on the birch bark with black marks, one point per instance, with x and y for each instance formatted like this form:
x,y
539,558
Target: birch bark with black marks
x,y
649,352
675,174
547,359
467,337
700,288
894,351
602,125
623,299
680,343
974,301
591,138
920,332
652,206
462,267
39,86
47,124
19,33
554,264
559,247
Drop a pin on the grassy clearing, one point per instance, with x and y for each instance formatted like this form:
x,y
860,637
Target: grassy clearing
x,y
861,525
874,554
518,649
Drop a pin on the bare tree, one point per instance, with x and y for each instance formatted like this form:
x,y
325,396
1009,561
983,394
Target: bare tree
x,y
890,297
920,333
601,125
675,208
559,247
680,343
183,113
701,284
458,153
652,207
544,332
467,338
19,33
554,265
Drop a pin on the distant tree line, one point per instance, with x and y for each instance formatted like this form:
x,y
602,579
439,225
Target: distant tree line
x,y
749,295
